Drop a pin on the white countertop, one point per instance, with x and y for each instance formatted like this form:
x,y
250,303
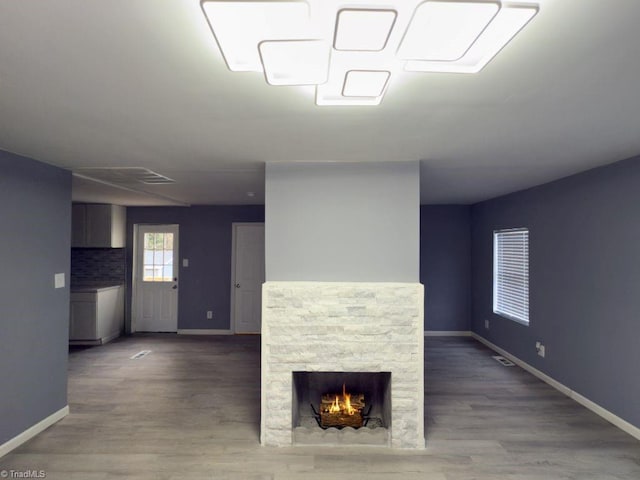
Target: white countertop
x,y
94,287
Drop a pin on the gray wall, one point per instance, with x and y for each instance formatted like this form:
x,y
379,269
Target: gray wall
x,y
35,208
445,266
205,239
584,282
342,222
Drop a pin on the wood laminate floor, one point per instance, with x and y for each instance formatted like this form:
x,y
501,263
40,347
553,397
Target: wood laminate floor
x,y
190,410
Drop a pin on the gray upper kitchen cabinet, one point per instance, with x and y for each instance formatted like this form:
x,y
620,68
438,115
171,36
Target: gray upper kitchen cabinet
x,y
95,225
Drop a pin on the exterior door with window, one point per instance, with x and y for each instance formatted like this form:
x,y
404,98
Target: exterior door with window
x,y
155,297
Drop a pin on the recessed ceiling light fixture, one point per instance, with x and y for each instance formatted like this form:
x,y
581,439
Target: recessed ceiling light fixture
x,y
352,51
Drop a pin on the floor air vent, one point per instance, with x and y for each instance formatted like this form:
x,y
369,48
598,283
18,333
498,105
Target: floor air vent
x,y
500,359
142,353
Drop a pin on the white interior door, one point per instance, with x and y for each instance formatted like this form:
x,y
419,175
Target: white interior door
x,y
155,297
247,276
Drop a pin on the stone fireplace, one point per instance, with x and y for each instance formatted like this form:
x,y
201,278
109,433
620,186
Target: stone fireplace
x,y
341,304
318,334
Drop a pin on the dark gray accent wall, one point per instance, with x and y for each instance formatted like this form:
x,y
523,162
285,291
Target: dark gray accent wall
x,y
205,239
35,208
349,222
445,266
584,282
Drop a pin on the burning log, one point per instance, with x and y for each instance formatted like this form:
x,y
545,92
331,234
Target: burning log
x,y
341,410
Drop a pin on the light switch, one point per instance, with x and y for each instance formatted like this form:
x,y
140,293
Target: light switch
x,y
58,280
185,262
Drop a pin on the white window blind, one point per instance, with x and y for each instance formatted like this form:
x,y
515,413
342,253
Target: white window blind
x,y
511,274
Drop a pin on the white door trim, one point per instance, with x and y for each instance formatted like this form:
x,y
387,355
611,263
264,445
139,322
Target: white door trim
x,y
134,278
134,274
234,229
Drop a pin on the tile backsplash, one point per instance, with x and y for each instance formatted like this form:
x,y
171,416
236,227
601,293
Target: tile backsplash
x,y
91,265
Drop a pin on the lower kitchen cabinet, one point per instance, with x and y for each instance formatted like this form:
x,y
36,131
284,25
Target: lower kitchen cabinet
x,y
96,315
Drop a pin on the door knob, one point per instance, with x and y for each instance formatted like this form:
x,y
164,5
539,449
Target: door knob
x,y
237,285
174,287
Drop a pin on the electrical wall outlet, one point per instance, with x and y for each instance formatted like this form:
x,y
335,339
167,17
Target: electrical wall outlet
x,y
541,351
538,345
209,314
486,324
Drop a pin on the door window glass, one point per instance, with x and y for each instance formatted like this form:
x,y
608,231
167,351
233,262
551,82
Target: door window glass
x,y
158,257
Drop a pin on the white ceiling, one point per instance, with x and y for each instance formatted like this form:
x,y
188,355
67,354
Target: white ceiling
x,y
87,83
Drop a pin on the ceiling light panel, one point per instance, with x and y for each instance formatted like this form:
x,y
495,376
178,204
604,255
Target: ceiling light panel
x,y
240,26
342,62
363,29
365,83
506,25
328,100
334,93
349,51
444,31
295,62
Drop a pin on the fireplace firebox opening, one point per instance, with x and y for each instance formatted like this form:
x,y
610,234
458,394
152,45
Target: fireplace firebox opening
x,y
335,400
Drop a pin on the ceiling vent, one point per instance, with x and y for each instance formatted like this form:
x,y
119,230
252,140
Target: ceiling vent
x,y
124,175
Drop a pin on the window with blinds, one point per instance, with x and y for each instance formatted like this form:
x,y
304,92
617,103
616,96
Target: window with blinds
x,y
511,274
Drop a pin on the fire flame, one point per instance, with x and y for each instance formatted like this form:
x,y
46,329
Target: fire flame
x,y
342,405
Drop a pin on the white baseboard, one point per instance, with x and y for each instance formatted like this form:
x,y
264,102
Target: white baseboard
x,y
85,343
32,431
447,333
109,338
585,402
96,342
196,331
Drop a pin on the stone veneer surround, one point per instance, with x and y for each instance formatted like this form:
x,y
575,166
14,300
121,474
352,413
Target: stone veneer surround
x,y
346,327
